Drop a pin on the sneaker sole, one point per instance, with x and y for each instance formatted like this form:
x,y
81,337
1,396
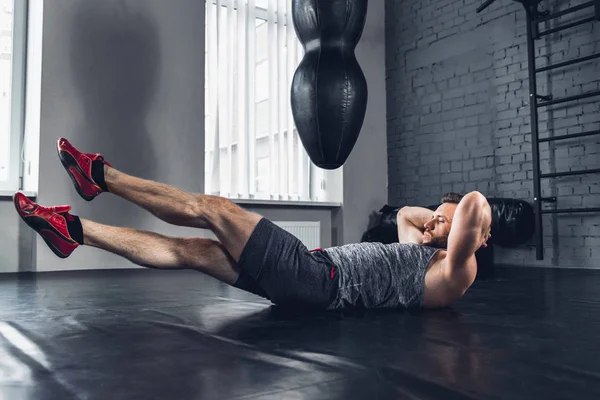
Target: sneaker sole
x,y
38,224
68,161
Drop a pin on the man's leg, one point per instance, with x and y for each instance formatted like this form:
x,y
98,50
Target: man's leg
x,y
64,232
92,175
231,224
152,250
276,265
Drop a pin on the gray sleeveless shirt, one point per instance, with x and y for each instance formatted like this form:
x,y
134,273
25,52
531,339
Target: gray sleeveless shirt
x,y
377,275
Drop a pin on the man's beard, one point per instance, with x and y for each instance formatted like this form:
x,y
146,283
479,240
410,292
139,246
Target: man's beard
x,y
438,242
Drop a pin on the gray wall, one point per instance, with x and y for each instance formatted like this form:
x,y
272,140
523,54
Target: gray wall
x,y
17,245
458,116
365,172
125,78
116,80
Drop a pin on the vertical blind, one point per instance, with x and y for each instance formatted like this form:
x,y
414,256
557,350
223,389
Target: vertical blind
x,y
252,146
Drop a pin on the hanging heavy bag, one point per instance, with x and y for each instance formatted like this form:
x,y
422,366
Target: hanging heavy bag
x,y
329,89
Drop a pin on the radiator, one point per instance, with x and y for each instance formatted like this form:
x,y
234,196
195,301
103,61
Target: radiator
x,y
309,232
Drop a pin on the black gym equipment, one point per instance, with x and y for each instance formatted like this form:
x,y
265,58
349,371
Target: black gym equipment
x,y
329,90
534,18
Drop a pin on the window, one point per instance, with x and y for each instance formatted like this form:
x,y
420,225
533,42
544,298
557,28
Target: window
x,y
12,73
252,147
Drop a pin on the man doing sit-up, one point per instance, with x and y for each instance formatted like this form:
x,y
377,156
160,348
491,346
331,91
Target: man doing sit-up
x,y
432,265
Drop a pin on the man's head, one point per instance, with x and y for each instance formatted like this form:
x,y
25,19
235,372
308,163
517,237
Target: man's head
x,y
437,229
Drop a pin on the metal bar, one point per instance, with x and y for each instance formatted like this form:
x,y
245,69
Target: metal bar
x,y
571,210
572,136
565,12
567,99
537,203
566,63
571,173
535,27
484,6
567,26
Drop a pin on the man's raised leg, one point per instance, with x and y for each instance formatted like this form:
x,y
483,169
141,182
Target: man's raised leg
x,y
92,175
231,224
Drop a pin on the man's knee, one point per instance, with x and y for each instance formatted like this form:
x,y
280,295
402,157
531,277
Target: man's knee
x,y
202,206
223,213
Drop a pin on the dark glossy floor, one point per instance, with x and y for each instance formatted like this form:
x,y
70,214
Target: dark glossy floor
x,y
145,334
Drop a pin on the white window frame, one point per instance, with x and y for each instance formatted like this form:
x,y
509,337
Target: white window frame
x,y
17,104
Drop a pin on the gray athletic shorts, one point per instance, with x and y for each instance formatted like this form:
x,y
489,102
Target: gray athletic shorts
x,y
276,265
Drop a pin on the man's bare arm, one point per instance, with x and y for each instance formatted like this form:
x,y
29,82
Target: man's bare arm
x,y
470,231
411,221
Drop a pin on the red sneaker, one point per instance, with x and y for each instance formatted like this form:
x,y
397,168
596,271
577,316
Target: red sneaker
x,y
79,168
49,222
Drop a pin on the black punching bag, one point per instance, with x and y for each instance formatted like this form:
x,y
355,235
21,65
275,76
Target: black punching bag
x,y
329,89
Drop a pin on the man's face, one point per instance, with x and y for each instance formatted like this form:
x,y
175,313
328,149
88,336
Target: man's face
x,y
437,229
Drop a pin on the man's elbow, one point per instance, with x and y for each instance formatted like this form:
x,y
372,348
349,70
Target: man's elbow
x,y
402,212
477,205
475,198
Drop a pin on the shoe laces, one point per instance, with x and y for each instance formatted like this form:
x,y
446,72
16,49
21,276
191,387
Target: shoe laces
x,y
63,211
95,157
60,209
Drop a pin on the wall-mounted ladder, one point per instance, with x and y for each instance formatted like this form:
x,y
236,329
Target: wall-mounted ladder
x,y
537,101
